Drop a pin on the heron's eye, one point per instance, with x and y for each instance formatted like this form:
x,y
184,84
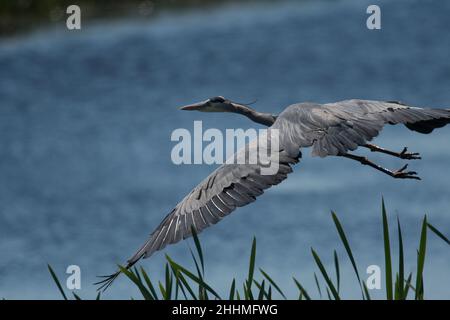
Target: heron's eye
x,y
217,100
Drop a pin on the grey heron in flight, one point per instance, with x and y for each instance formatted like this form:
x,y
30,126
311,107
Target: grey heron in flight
x,y
332,129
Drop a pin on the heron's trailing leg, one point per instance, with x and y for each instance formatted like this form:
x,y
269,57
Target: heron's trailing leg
x,y
398,174
404,154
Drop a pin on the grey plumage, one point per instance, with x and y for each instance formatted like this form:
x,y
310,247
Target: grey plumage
x,y
225,189
330,129
335,128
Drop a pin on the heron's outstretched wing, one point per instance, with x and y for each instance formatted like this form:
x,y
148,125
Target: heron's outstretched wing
x,y
336,128
225,189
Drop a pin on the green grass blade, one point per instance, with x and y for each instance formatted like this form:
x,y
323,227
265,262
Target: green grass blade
x,y
168,283
336,267
261,287
318,285
98,296
328,294
130,275
398,287
272,283
136,273
202,295
162,290
366,291
387,254
179,285
421,260
232,290
149,284
77,297
251,270
201,292
197,267
302,290
438,233
407,286
262,291
346,244
199,249
56,280
325,275
186,285
176,267
245,291
177,290
401,267
180,279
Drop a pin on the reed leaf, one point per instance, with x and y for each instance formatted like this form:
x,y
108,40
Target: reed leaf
x,y
325,275
387,254
421,260
401,268
56,280
438,233
302,290
272,283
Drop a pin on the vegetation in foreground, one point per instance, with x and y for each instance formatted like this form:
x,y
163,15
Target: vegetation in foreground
x,y
183,283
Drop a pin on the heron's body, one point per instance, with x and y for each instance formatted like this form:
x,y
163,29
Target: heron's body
x,y
335,128
331,129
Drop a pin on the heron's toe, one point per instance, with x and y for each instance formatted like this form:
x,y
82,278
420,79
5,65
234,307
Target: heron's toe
x,y
409,155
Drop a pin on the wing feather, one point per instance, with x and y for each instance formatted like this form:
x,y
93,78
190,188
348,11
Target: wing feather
x,y
229,187
336,128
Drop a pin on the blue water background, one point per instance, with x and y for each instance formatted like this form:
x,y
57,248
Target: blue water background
x,y
86,118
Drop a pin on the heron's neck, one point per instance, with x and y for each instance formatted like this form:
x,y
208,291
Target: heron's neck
x,y
265,119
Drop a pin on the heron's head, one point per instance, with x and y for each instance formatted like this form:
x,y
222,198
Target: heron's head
x,y
221,104
215,104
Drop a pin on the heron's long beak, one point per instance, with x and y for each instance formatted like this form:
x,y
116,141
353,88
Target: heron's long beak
x,y
195,106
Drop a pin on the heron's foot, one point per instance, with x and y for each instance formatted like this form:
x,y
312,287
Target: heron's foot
x,y
404,154
409,155
403,174
398,174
